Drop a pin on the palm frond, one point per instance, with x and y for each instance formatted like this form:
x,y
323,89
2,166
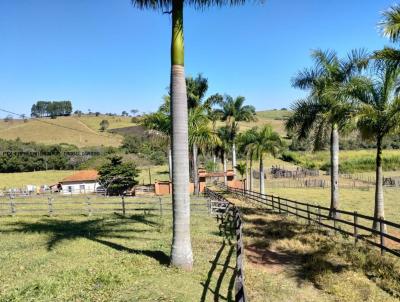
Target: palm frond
x,y
390,25
166,5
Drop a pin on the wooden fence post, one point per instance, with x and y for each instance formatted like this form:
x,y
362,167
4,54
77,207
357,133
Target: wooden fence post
x,y
334,220
287,208
279,205
161,208
272,202
296,211
123,205
50,206
308,214
319,216
355,227
381,233
89,208
13,207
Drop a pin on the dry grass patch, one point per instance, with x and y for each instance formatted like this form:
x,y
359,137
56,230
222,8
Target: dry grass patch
x,y
312,264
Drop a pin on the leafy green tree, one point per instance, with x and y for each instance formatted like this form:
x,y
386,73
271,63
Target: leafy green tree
x,y
321,115
104,124
160,124
266,141
378,115
117,176
232,112
181,252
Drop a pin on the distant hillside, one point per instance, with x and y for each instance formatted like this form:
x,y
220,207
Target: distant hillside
x,y
84,131
276,118
274,114
80,131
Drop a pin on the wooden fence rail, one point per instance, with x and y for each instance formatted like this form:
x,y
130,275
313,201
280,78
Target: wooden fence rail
x,y
222,207
89,206
352,224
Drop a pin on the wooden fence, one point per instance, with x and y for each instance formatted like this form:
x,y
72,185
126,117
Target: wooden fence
x,y
228,214
351,224
92,205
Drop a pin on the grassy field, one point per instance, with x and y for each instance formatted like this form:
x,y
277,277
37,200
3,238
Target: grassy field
x,y
109,258
19,180
296,262
274,114
350,160
271,117
69,130
115,122
350,199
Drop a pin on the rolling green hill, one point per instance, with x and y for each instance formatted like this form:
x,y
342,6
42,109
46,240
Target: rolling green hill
x,y
84,131
80,131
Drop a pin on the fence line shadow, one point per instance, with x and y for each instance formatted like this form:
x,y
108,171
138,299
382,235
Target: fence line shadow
x,y
217,296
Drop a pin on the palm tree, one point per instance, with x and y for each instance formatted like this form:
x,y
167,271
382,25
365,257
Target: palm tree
x,y
241,168
320,114
391,23
196,90
233,111
181,251
378,116
390,26
224,134
201,137
266,141
245,141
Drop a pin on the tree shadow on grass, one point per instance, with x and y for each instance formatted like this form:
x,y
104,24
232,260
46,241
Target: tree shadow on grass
x,y
97,230
140,218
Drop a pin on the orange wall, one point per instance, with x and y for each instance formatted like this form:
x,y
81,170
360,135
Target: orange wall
x,y
165,187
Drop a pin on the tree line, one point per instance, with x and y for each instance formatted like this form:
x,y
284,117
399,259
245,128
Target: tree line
x,y
51,109
18,156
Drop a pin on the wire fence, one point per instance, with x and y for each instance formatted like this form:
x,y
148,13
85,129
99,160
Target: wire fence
x,y
383,234
230,221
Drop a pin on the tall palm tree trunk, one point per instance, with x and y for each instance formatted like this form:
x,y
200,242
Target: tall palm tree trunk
x,y
234,159
262,189
225,164
170,162
334,150
379,201
195,170
181,251
251,173
214,162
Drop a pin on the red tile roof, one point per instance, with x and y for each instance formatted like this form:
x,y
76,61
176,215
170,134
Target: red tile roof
x,y
84,175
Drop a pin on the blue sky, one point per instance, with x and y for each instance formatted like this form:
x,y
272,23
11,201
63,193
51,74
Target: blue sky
x,y
109,56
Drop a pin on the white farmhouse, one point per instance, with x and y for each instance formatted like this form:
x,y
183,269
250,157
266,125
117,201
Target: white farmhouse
x,y
81,182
